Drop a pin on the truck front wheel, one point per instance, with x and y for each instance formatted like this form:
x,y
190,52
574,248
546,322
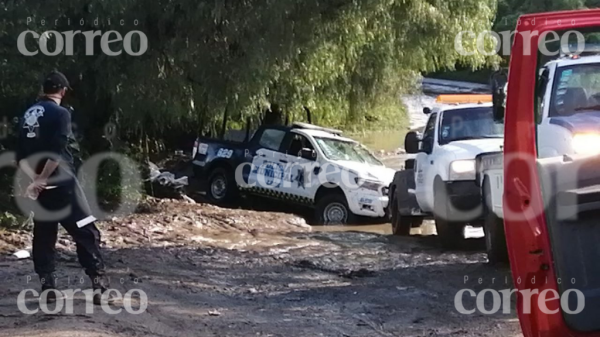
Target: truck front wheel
x,y
332,209
222,188
450,234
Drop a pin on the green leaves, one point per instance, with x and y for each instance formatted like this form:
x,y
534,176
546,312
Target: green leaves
x,y
343,59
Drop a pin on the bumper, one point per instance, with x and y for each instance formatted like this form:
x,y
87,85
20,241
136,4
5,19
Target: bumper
x,y
465,202
369,205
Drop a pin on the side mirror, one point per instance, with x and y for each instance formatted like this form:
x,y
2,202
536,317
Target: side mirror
x,y
308,154
499,85
427,111
411,142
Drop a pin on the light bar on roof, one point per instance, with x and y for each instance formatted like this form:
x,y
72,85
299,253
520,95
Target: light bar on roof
x,y
464,99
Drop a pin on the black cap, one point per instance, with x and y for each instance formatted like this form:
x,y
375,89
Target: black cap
x,y
56,80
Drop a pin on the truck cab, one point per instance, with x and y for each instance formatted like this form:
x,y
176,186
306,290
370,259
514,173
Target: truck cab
x,y
442,184
569,107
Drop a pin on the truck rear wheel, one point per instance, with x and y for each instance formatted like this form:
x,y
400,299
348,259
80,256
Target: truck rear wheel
x,y
450,234
332,209
495,238
222,188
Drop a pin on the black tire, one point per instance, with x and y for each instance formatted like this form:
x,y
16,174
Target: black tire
x,y
450,234
402,224
493,227
332,209
221,188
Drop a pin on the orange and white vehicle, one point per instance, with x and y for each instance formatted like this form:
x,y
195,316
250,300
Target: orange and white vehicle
x,y
442,182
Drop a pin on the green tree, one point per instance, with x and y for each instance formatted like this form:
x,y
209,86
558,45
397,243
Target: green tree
x,y
347,61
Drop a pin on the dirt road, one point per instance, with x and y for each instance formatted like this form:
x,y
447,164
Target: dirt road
x,y
214,272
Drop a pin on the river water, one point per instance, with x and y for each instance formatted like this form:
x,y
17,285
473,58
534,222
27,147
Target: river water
x,y
391,140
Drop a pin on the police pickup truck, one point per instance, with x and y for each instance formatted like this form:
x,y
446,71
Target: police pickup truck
x,y
301,164
441,183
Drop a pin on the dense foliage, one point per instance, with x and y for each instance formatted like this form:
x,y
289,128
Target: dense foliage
x,y
346,60
506,19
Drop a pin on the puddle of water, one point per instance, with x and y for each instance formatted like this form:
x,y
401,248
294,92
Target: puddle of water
x,y
427,229
375,229
384,229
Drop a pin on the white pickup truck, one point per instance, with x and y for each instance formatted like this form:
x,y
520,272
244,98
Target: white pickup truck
x,y
441,184
568,115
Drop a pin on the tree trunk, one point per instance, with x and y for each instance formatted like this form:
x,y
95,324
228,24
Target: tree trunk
x,y
224,126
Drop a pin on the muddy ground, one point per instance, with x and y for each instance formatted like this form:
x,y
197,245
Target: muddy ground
x,y
209,271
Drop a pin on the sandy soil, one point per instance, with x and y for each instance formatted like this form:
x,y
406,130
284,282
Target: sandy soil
x,y
209,271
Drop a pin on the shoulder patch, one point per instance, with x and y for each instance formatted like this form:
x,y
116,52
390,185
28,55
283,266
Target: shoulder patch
x,y
30,120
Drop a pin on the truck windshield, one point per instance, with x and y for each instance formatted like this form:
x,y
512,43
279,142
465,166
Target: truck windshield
x,y
343,150
576,90
467,124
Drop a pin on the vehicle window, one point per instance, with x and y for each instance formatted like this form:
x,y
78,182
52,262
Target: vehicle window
x,y
298,143
430,127
576,90
271,139
343,150
468,124
429,134
541,86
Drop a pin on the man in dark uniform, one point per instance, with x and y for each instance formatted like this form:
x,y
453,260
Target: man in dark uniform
x,y
43,154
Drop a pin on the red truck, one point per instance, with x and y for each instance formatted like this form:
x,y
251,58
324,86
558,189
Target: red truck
x,y
551,205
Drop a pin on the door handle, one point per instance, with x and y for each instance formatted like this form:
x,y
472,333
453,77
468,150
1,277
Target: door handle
x,y
262,155
431,162
283,161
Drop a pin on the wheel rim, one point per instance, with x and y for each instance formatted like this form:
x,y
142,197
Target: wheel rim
x,y
218,188
335,213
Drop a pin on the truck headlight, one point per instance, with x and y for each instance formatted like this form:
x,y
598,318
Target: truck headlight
x,y
462,170
586,143
369,184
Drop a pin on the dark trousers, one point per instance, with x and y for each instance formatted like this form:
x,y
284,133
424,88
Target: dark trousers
x,y
45,232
